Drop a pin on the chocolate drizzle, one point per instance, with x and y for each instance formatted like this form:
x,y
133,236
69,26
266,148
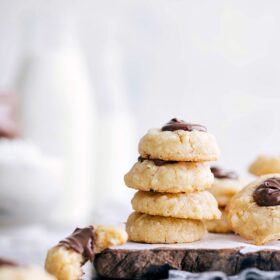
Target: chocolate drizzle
x,y
220,173
175,124
268,193
157,162
4,262
82,241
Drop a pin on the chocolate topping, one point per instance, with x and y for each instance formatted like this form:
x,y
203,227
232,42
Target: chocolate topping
x,y
82,241
175,124
220,173
268,193
157,162
4,262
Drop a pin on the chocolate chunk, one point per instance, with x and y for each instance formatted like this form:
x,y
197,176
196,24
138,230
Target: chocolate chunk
x,y
4,262
157,162
268,193
176,124
220,173
82,241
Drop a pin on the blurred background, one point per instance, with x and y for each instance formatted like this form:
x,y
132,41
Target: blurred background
x,y
82,81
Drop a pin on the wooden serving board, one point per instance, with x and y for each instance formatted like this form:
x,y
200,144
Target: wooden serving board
x,y
216,252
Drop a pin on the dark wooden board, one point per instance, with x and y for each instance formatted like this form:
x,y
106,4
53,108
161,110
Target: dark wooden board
x,y
155,262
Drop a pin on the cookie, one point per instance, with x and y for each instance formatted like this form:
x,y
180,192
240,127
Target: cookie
x,y
13,271
172,177
156,229
265,165
218,226
66,259
179,141
197,205
254,212
226,185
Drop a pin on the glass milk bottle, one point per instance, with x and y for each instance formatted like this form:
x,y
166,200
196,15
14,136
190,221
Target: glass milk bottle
x,y
57,109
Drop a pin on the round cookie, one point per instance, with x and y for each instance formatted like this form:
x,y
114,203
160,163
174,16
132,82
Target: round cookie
x,y
218,226
179,141
169,177
13,271
156,229
254,212
265,165
226,185
66,259
197,205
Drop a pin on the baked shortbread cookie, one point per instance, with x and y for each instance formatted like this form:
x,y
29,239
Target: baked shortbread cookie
x,y
196,205
13,271
265,165
66,259
226,185
179,141
254,212
155,229
172,177
218,226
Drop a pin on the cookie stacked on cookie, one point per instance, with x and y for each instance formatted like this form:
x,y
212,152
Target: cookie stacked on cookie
x,y
172,175
225,186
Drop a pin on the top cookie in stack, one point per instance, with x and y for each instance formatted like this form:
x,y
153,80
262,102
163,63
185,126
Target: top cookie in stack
x,y
172,176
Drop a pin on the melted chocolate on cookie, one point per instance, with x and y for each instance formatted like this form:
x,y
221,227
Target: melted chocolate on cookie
x,y
220,173
4,262
157,162
268,193
82,241
175,124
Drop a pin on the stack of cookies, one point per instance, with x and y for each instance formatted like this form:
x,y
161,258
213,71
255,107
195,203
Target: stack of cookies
x,y
225,186
172,175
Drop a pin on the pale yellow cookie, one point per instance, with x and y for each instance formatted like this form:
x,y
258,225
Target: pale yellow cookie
x,y
171,177
248,218
65,260
179,145
225,189
24,273
265,165
218,226
197,205
156,229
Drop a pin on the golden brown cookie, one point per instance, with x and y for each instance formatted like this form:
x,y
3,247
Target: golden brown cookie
x,y
196,205
254,212
218,226
265,165
170,177
156,229
65,260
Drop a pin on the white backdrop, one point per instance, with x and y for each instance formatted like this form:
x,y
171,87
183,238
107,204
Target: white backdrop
x,y
211,62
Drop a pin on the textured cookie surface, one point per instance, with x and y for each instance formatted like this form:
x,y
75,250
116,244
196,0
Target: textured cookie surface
x,y
218,226
172,178
253,222
197,205
179,145
265,165
24,273
156,229
225,189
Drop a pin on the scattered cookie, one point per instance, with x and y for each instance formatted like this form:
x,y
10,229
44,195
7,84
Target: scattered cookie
x,y
218,226
179,141
172,177
157,229
254,212
226,185
196,205
12,271
66,259
265,165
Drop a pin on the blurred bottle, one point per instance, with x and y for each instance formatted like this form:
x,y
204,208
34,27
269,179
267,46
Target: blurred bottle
x,y
57,109
117,146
